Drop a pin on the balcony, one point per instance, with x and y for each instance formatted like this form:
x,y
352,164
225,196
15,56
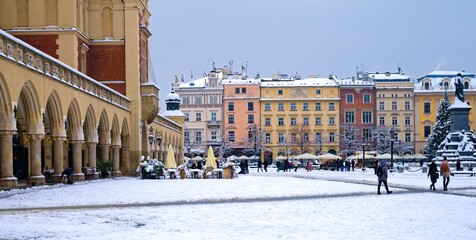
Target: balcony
x,y
214,124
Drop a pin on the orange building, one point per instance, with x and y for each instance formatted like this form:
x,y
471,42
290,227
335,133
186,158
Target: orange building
x,y
241,113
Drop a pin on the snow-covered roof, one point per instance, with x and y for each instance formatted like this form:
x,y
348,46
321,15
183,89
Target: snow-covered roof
x,y
436,81
354,82
296,83
172,96
173,113
240,81
198,83
389,76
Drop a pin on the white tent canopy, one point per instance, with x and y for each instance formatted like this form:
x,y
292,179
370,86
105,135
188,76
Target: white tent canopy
x,y
387,156
280,158
361,156
328,156
242,157
231,158
306,156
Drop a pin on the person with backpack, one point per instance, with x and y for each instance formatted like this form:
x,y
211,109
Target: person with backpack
x,y
382,174
445,172
433,174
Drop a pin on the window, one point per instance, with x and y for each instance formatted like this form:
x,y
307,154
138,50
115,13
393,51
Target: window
x,y
213,135
318,91
407,120
331,121
213,100
293,106
293,137
381,105
349,117
331,137
187,117
198,136
394,106
305,106
251,106
198,100
198,117
267,122
367,117
427,86
267,137
186,100
367,98
367,134
394,121
267,107
306,137
281,137
331,106
231,118
231,136
251,118
445,85
280,92
243,90
349,98
318,138
427,107
407,105
280,121
231,106
280,106
318,121
427,131
237,90
186,137
305,121
213,117
466,85
293,121
250,134
318,106
381,121
408,137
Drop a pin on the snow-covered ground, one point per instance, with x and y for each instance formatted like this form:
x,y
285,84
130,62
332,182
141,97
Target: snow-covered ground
x,y
292,205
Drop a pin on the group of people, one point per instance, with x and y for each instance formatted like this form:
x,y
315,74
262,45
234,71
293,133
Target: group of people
x,y
445,172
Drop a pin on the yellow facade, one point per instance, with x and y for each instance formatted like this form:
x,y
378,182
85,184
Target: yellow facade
x,y
292,109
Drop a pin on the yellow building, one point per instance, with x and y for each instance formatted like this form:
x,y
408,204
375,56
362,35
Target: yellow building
x,y
429,91
299,115
394,103
75,90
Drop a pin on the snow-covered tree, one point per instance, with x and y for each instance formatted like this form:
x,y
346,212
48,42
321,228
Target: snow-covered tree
x,y
441,128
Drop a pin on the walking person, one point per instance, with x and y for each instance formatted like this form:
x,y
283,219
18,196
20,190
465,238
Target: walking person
x,y
352,163
265,164
259,165
433,174
458,165
445,173
309,166
382,174
278,163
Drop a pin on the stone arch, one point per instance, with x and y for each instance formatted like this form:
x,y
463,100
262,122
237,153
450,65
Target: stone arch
x,y
29,110
73,121
7,118
115,131
104,136
53,118
89,126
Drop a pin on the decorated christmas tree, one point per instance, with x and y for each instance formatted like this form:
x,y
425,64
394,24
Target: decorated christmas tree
x,y
441,128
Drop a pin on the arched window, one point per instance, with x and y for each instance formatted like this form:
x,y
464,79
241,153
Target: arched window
x,y
427,86
466,85
106,17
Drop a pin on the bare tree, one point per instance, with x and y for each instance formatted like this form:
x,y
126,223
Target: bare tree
x,y
301,137
350,139
225,147
255,142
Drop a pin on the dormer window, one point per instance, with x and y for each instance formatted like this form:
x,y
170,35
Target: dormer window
x,y
427,85
445,85
466,85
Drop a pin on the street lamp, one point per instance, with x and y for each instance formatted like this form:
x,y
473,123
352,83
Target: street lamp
x,y
392,131
363,154
159,139
151,138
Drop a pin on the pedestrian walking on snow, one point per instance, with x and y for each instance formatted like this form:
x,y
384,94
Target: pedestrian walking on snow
x,y
445,173
433,174
382,174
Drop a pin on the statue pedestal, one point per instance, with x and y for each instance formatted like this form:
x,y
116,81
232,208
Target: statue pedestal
x,y
459,113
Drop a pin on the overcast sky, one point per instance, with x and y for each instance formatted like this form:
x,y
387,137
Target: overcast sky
x,y
310,37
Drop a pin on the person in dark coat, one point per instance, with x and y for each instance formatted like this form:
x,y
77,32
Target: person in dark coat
x,y
286,165
265,164
433,174
458,165
352,163
259,165
242,167
277,166
199,165
383,178
69,175
247,171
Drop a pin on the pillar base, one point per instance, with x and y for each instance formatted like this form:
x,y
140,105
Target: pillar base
x,y
95,176
8,183
78,177
36,180
116,174
55,178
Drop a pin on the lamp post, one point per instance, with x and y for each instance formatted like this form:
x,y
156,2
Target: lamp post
x,y
363,154
391,147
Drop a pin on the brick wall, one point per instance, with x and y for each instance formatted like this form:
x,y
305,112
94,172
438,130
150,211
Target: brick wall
x,y
107,63
45,43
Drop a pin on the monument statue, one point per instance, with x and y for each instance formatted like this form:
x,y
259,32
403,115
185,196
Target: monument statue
x,y
459,93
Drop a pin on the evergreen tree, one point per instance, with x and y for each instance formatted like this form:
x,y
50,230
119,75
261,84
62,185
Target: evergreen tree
x,y
441,128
